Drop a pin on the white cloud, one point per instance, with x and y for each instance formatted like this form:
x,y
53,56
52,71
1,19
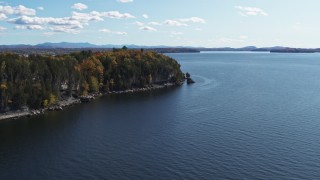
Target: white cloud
x,y
179,23
138,23
84,17
18,10
3,16
66,24
65,29
77,19
125,1
174,23
121,33
70,24
26,20
40,8
251,11
194,20
154,23
145,16
112,32
35,27
29,20
114,15
30,27
2,28
79,6
147,28
105,30
20,27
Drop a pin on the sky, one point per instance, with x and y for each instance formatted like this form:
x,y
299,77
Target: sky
x,y
198,23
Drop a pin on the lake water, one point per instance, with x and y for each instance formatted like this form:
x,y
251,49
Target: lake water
x,y
249,116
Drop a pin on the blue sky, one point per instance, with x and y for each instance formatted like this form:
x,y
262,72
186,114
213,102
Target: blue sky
x,y
206,23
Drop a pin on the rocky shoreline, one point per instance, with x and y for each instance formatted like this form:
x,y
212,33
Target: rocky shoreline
x,y
72,101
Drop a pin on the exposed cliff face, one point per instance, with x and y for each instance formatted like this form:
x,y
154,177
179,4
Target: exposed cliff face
x,y
40,81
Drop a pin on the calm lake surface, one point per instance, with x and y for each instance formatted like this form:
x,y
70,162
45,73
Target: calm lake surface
x,y
249,116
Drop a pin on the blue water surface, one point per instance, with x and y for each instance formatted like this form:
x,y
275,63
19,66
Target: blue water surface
x,y
249,116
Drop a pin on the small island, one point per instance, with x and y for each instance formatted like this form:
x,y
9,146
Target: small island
x,y
32,84
189,79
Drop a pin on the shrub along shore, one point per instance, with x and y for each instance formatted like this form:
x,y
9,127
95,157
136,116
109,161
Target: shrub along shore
x,y
26,112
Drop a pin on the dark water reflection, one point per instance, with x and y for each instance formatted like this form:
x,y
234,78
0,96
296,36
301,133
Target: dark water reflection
x,y
249,116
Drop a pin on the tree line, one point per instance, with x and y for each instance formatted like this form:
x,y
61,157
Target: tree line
x,y
37,81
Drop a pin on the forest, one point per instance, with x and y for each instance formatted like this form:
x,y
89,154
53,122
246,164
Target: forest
x,y
38,81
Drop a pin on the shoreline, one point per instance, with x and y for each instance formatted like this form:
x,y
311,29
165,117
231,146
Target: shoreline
x,y
73,101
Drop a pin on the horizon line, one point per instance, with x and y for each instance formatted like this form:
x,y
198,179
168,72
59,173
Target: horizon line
x,y
166,46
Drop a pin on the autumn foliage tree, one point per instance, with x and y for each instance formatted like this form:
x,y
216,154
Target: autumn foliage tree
x,y
36,81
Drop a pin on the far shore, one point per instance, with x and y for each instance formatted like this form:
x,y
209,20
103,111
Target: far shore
x,y
72,101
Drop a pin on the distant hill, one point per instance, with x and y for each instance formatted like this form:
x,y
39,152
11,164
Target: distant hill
x,y
15,46
67,47
247,48
83,45
89,45
294,50
270,48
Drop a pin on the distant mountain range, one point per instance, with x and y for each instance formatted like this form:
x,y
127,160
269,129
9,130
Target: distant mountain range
x,y
82,45
160,48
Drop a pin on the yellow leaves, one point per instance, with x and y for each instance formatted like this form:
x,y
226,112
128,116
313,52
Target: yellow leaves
x,y
3,67
87,65
138,57
100,69
45,103
85,88
53,99
149,79
77,68
3,86
114,63
150,55
92,66
94,84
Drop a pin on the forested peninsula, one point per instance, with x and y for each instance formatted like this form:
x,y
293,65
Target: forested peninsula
x,y
34,81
